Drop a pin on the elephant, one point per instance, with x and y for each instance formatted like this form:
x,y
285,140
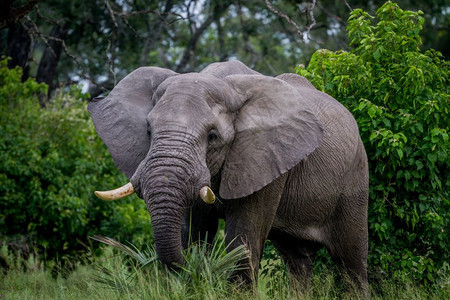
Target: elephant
x,y
285,160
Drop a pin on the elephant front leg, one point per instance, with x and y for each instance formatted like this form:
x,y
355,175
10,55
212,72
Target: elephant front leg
x,y
247,222
200,224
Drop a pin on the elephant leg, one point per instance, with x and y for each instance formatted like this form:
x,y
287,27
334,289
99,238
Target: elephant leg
x,y
248,222
349,240
200,224
298,257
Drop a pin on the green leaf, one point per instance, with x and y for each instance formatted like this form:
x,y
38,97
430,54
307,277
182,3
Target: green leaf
x,y
419,164
432,157
372,112
373,135
361,105
420,127
377,55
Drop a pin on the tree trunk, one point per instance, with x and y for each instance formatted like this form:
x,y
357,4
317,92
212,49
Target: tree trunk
x,y
19,43
50,59
223,55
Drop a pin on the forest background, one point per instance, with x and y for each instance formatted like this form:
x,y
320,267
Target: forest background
x,y
63,53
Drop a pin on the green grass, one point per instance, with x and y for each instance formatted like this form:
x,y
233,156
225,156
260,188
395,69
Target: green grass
x,y
125,272
37,283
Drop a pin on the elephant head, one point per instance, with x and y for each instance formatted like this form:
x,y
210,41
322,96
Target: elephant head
x,y
170,133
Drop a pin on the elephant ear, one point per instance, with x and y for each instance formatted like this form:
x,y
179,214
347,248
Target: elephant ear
x,y
120,118
275,130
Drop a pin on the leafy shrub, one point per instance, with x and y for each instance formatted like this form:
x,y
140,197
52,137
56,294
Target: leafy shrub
x,y
273,270
399,97
51,161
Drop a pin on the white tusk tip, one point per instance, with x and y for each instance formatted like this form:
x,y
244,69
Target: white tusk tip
x,y
118,193
207,195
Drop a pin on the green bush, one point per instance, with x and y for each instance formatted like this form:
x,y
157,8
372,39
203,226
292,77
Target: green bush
x,y
400,99
51,161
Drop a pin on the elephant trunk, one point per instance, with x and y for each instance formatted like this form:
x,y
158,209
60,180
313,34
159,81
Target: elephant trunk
x,y
167,182
166,223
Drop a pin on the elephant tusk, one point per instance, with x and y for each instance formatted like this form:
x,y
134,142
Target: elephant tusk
x,y
207,195
118,193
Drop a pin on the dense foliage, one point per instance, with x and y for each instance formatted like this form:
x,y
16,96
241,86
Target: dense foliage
x,y
51,161
105,39
400,99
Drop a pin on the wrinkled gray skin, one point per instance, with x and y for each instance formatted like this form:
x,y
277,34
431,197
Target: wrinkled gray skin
x,y
285,159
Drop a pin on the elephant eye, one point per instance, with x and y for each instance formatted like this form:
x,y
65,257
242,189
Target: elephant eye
x,y
212,136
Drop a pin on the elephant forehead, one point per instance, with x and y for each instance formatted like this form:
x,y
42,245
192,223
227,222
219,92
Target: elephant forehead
x,y
189,98
177,107
183,110
195,85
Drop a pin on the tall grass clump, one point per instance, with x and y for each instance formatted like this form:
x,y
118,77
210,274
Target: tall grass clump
x,y
139,273
125,272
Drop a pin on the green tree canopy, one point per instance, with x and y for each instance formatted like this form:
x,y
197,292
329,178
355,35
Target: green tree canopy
x,y
400,99
99,42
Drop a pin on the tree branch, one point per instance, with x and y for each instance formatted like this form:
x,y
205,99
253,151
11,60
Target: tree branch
x,y
309,15
286,17
310,18
11,15
34,31
333,16
162,15
218,10
348,5
111,13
